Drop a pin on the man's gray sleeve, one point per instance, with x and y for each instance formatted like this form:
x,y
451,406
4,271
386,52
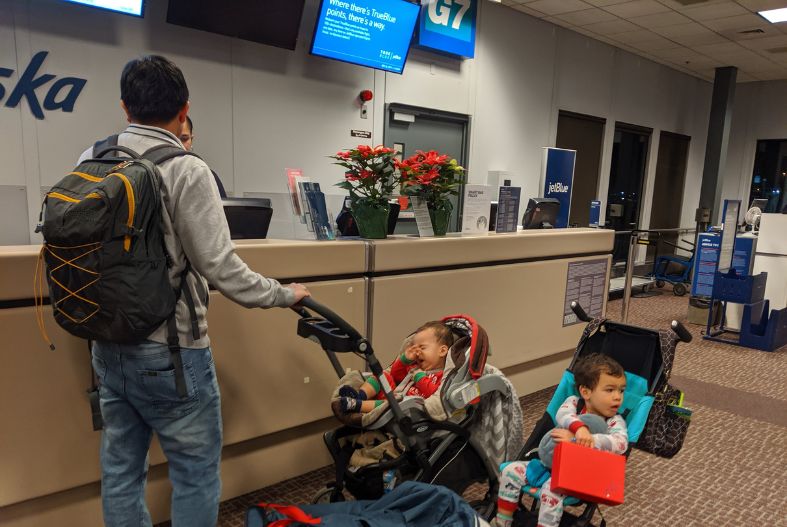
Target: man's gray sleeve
x,y
200,224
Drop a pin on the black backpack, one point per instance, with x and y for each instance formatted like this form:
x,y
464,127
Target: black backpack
x,y
106,263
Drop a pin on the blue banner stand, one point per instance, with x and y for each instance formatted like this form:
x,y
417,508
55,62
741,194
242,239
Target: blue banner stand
x,y
558,167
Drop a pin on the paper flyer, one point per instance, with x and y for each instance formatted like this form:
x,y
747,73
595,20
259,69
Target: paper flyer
x,y
476,208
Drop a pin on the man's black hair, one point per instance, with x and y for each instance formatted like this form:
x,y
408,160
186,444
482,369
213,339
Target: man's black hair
x,y
153,89
191,125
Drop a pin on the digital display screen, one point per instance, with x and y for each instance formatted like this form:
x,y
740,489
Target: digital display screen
x,y
271,22
373,33
128,7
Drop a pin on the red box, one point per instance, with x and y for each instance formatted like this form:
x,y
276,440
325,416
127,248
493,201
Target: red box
x,y
589,474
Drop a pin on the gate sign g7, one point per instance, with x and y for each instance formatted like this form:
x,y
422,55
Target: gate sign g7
x,y
448,26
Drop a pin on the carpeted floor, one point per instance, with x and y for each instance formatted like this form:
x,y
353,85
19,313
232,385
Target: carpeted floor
x,y
732,470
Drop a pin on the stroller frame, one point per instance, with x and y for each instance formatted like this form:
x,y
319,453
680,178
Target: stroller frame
x,y
425,457
653,373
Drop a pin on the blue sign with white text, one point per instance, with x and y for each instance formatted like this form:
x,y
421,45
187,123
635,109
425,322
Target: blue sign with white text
x,y
595,213
448,26
558,179
374,33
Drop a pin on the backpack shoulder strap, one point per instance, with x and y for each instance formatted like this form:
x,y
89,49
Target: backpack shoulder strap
x,y
110,144
164,152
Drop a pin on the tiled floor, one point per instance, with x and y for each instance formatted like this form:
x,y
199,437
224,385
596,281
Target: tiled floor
x,y
732,470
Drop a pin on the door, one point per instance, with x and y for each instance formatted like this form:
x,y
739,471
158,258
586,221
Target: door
x,y
626,176
769,179
668,188
585,134
424,129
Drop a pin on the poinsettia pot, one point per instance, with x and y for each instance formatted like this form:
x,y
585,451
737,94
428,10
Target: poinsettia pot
x,y
371,218
440,213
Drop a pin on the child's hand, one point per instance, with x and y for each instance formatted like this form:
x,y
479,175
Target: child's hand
x,y
561,434
411,352
584,437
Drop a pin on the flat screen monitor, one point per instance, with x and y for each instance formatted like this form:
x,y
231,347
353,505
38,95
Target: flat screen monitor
x,y
373,33
541,213
248,218
271,22
127,7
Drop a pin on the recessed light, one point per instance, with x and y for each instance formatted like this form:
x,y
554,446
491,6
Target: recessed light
x,y
774,15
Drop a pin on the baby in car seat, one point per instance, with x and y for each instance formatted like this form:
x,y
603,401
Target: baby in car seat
x,y
421,364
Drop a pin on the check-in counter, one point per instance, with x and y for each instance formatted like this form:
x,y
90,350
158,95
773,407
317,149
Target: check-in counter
x,y
513,284
49,454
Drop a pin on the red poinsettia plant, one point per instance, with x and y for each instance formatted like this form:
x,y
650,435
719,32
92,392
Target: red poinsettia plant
x,y
370,173
432,176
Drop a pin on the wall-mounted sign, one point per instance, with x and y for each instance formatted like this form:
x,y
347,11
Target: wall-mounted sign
x,y
448,26
61,95
366,134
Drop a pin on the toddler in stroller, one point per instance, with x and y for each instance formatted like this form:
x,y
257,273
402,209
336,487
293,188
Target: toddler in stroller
x,y
590,421
636,417
455,437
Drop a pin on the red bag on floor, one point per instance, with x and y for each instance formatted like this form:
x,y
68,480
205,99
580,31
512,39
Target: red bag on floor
x,y
589,474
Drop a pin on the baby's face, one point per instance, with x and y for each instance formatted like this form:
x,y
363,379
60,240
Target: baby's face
x,y
429,354
605,399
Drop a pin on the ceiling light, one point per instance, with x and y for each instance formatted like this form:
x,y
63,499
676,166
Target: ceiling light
x,y
774,15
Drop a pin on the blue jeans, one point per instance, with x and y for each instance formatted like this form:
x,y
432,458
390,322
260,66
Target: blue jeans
x,y
138,397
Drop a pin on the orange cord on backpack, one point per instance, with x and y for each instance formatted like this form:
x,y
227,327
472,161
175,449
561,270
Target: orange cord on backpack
x,y
38,296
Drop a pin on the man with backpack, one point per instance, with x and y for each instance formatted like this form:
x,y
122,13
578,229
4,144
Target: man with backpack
x,y
166,383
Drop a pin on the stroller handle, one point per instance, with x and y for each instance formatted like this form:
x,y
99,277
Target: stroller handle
x,y
681,331
326,313
579,312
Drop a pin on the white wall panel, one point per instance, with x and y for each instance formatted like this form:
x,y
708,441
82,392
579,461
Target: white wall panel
x,y
13,171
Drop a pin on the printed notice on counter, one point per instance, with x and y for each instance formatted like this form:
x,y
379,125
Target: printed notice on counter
x,y
475,209
422,218
586,282
508,209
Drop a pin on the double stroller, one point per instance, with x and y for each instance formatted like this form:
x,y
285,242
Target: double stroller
x,y
454,438
646,356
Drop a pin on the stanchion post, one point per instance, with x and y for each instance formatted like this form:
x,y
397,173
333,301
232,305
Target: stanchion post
x,y
629,276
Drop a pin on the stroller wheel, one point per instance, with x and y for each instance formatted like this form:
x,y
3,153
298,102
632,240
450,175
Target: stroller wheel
x,y
678,289
327,495
660,283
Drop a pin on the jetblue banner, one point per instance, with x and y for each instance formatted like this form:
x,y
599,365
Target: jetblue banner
x,y
448,26
558,178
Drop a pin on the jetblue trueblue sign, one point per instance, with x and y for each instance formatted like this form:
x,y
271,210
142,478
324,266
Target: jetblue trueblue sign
x,y
60,95
448,26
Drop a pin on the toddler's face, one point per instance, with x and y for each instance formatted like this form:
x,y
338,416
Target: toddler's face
x,y
605,399
429,354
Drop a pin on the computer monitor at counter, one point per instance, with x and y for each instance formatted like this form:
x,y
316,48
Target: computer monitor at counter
x,y
248,218
541,213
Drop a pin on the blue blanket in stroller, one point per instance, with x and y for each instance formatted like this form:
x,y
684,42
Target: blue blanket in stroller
x,y
411,504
